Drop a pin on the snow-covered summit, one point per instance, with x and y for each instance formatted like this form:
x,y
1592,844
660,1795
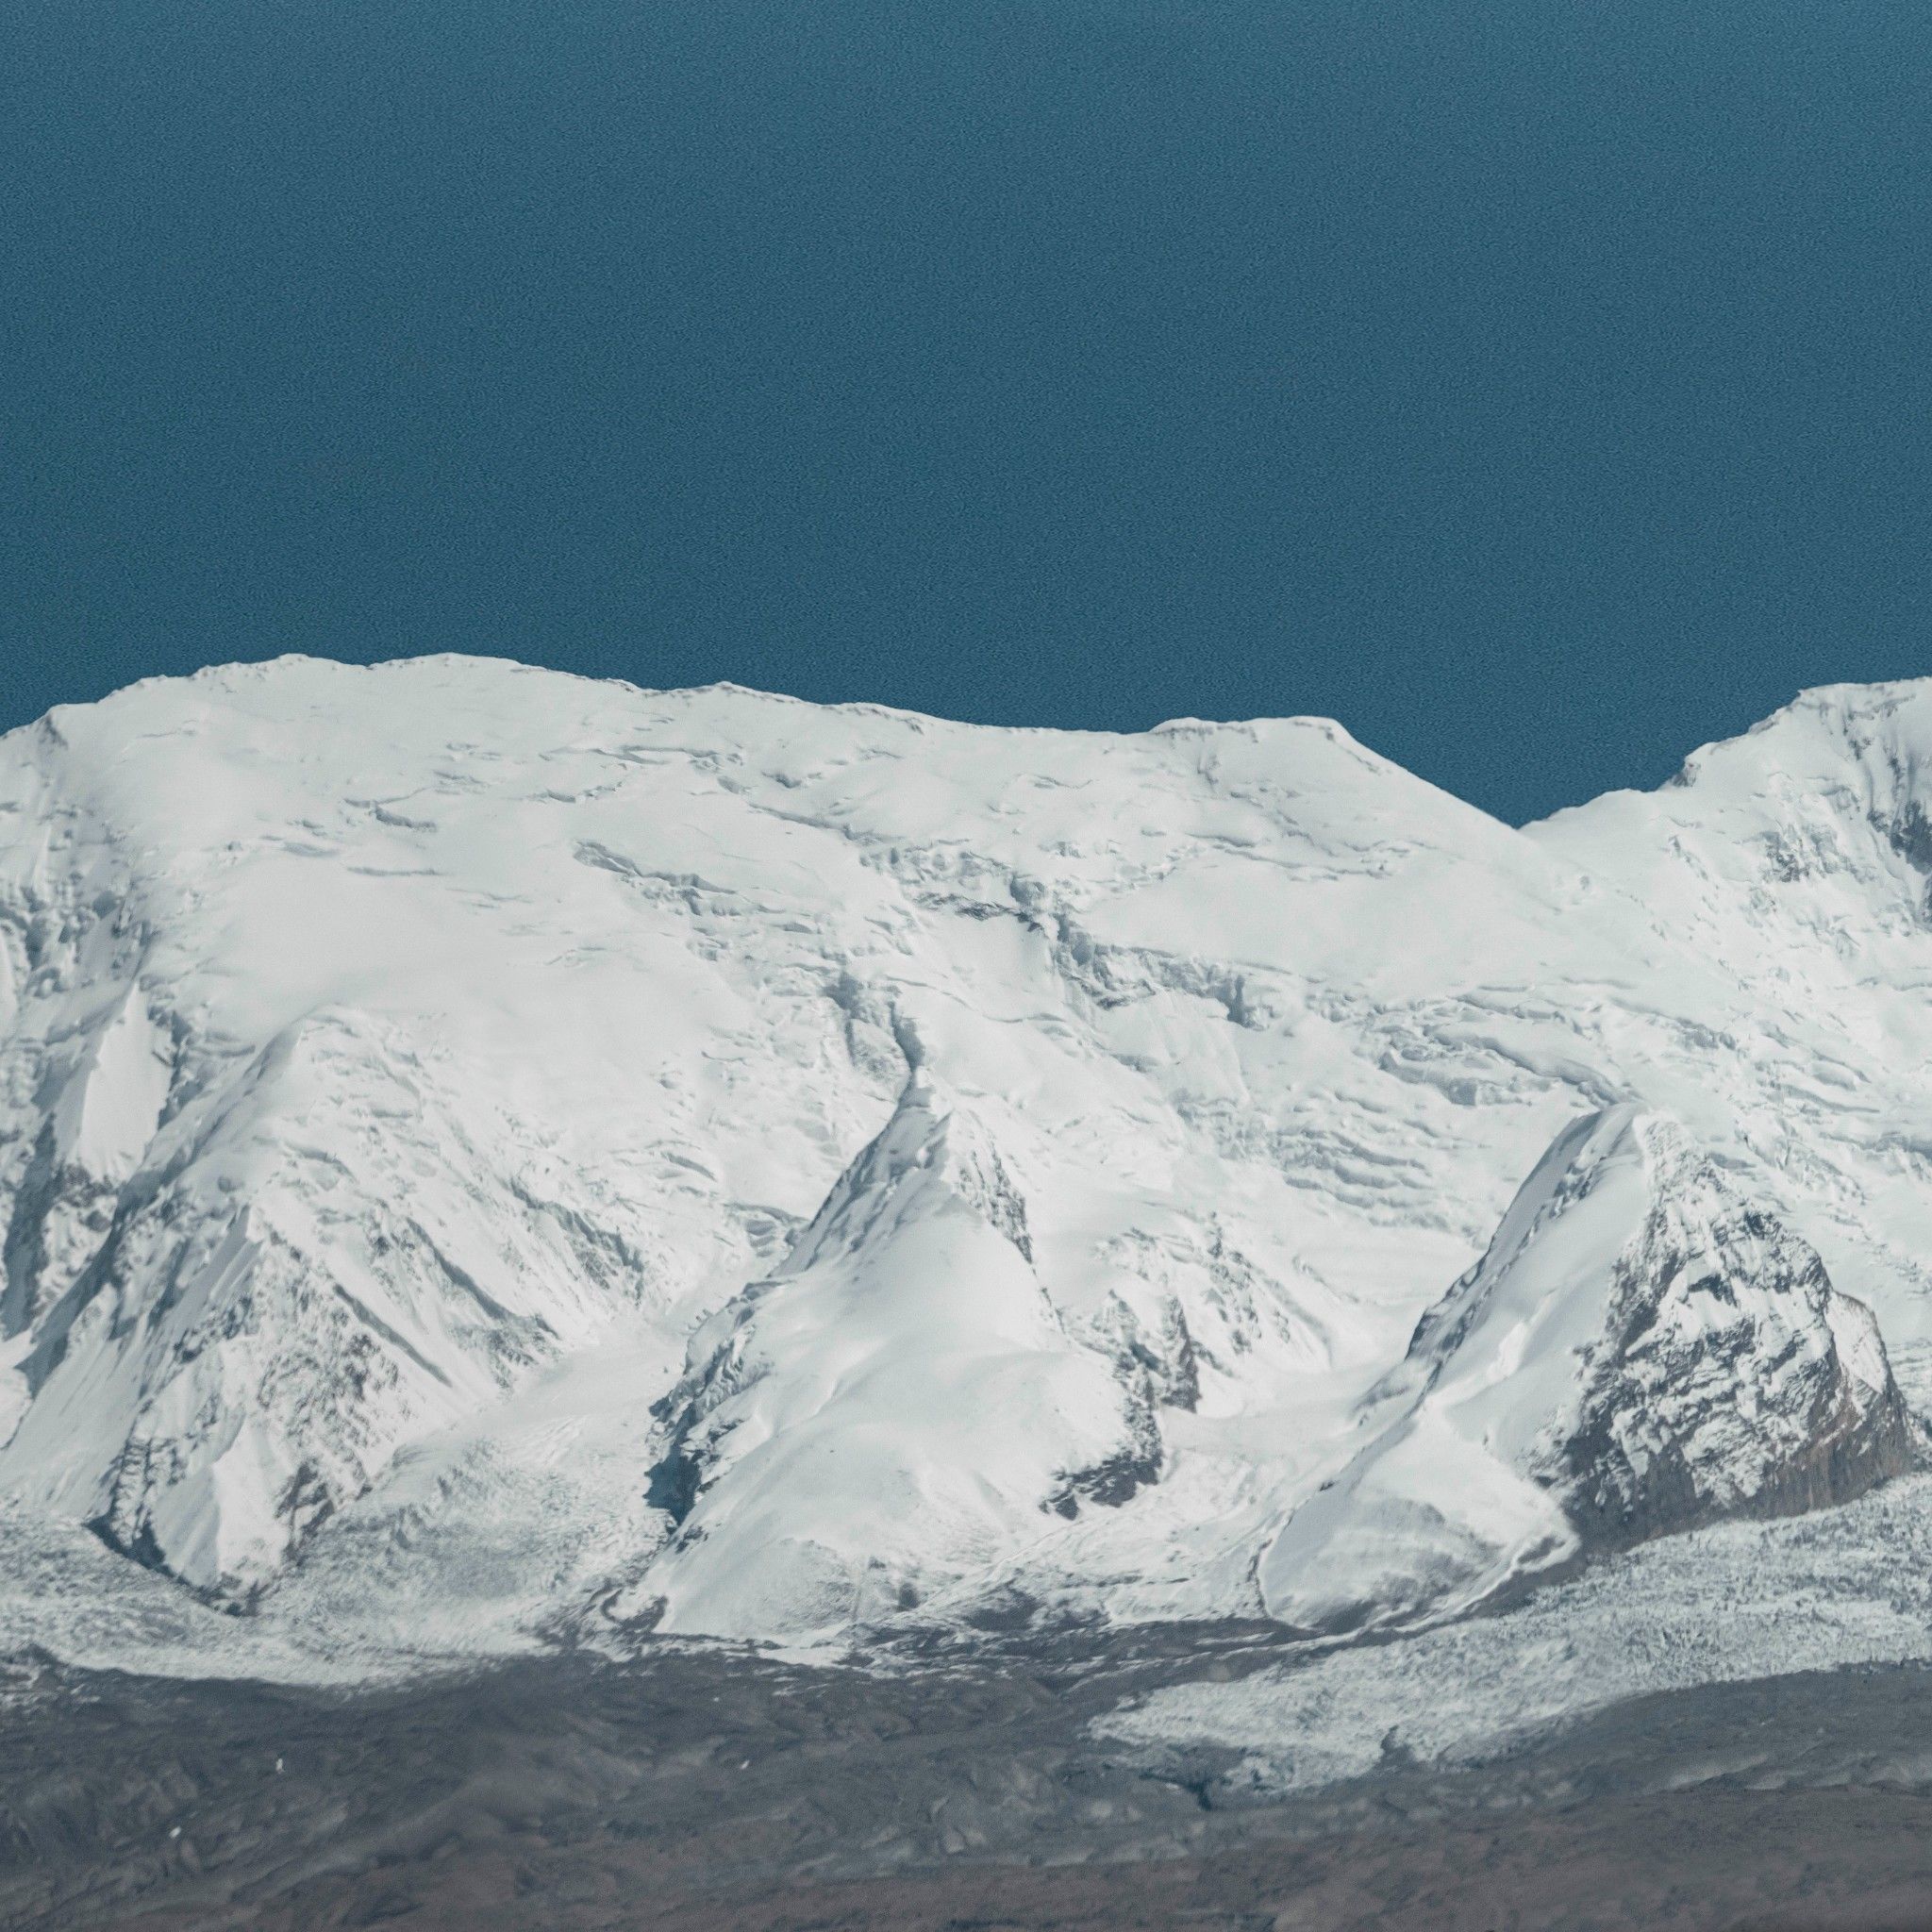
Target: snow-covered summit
x,y
893,1407
796,1159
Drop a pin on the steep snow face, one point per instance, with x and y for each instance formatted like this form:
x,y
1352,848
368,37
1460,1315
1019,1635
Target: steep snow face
x,y
1796,861
896,1406
1642,1350
400,1067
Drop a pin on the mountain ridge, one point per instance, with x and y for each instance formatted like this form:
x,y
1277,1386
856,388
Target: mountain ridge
x,y
379,1046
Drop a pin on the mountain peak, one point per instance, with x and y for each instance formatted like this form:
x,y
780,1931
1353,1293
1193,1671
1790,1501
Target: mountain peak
x,y
1642,1348
851,1433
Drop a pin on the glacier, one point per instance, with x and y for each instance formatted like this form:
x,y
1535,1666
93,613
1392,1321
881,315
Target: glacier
x,y
489,1158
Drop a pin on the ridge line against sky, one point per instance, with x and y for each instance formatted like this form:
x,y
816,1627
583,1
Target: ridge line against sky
x,y
1538,392
1675,765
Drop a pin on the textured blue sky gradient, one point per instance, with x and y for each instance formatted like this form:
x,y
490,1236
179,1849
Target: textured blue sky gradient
x,y
1539,388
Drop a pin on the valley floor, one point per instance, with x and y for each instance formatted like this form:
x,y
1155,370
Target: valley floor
x,y
694,1789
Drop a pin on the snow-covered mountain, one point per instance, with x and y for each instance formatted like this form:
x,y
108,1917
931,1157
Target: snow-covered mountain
x,y
478,1139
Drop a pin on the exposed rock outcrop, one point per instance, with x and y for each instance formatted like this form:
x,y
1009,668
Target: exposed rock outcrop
x,y
1643,1349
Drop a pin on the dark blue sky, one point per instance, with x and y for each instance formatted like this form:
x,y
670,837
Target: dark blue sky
x,y
1538,388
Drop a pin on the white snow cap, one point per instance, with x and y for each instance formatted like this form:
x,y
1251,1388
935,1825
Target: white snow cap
x,y
450,1110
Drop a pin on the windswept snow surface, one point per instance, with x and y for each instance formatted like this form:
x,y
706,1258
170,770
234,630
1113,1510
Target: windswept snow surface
x,y
487,1157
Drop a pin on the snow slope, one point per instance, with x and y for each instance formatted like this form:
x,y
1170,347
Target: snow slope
x,y
900,1395
1640,1350
483,1147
